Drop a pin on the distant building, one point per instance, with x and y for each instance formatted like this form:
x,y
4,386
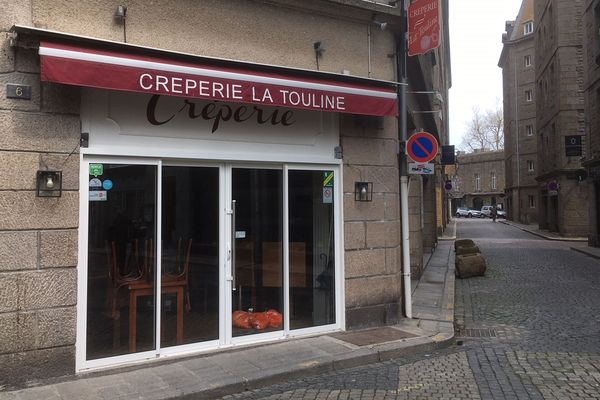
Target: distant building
x,y
479,180
591,61
560,117
520,136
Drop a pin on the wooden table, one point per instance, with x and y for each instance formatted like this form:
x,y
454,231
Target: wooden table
x,y
140,289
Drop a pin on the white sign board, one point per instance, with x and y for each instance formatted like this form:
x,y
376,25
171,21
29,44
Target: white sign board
x,y
133,124
421,168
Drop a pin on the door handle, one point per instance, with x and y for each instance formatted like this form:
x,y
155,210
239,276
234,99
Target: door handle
x,y
232,248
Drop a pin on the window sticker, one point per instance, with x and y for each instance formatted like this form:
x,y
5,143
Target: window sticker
x,y
98,195
327,195
95,183
328,179
96,169
107,184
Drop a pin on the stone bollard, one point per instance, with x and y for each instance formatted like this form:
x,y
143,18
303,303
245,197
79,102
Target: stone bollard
x,y
463,242
464,250
470,265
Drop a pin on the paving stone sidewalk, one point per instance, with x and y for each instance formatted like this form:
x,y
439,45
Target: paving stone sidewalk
x,y
535,230
226,372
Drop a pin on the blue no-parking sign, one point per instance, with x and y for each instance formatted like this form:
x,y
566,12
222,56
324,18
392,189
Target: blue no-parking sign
x,y
422,147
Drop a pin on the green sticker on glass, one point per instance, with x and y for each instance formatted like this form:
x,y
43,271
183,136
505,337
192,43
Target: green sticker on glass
x,y
328,178
96,169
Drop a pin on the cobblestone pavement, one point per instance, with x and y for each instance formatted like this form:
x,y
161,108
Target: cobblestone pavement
x,y
529,329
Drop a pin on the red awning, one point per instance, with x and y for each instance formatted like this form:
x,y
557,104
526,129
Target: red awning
x,y
116,70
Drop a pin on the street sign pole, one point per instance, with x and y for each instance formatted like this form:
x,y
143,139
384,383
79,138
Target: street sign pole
x,y
402,73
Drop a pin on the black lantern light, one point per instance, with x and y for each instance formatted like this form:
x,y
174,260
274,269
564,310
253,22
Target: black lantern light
x,y
363,191
49,183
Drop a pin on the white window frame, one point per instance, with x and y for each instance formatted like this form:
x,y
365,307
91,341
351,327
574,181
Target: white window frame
x,y
477,182
528,28
528,60
493,180
528,95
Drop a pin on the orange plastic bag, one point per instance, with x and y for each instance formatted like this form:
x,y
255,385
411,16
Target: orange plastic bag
x,y
259,321
275,318
241,319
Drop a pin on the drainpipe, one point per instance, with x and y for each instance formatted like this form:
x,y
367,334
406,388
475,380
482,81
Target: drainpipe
x,y
402,56
517,142
369,49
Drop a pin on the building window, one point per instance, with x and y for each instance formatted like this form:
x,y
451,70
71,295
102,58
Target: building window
x,y
528,61
531,201
528,95
528,28
530,166
529,130
477,182
493,180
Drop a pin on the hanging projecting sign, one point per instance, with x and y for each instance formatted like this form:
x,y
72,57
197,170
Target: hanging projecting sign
x,y
552,187
573,146
423,26
448,156
422,147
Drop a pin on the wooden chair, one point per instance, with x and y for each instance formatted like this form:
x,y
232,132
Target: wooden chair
x,y
124,268
180,272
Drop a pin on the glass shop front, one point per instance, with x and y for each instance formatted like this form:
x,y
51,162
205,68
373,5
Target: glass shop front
x,y
184,252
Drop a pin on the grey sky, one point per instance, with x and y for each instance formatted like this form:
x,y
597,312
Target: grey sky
x,y
476,28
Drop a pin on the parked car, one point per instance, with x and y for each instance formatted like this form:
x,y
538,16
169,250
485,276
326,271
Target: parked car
x,y
467,212
486,211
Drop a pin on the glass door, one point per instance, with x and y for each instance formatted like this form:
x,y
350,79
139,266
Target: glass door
x,y
190,255
311,248
121,263
256,251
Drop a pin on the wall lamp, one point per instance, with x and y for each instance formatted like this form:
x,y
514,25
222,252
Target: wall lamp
x,y
363,191
121,13
381,25
49,183
319,50
121,17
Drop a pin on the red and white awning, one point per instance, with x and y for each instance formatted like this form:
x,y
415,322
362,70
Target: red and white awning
x,y
75,65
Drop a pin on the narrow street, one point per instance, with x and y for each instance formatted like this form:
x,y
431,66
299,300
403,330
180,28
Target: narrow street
x,y
529,329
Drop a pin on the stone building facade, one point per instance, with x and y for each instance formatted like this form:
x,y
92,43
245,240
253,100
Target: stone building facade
x,y
519,99
560,117
479,180
591,29
64,311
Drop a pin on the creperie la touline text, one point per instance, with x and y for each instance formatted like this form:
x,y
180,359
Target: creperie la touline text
x,y
227,91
